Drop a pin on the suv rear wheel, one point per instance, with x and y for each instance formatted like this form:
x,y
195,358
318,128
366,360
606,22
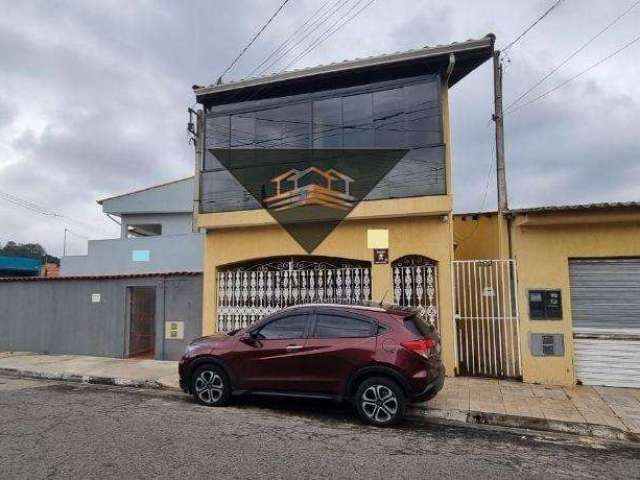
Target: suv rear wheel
x,y
210,386
380,401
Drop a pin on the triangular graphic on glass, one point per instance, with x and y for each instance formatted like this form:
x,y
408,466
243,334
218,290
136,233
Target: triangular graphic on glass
x,y
309,192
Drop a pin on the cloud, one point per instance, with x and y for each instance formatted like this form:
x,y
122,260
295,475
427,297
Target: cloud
x,y
93,97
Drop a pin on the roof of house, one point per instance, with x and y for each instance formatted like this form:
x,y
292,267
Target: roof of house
x,y
19,264
96,277
170,197
579,207
467,56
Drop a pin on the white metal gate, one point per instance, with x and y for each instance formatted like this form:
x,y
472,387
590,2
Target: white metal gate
x,y
486,318
415,279
248,292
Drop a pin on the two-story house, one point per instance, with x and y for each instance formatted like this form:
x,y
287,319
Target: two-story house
x,y
383,123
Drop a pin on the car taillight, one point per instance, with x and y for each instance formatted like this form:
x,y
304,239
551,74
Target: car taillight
x,y
424,346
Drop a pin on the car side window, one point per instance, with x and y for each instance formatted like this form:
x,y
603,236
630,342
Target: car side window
x,y
293,326
336,326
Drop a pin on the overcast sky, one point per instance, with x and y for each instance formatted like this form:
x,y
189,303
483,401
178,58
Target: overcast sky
x,y
93,97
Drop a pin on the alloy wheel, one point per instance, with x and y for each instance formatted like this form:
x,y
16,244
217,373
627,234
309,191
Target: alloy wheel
x,y
379,403
209,387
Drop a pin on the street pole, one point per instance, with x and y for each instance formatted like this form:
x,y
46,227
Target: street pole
x,y
199,151
503,204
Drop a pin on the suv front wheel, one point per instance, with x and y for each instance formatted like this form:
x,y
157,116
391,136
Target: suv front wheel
x,y
380,401
210,386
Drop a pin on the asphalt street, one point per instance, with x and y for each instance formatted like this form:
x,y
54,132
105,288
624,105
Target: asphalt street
x,y
57,430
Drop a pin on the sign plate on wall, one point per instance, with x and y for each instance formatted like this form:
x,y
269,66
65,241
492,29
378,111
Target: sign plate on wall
x,y
380,256
174,330
95,298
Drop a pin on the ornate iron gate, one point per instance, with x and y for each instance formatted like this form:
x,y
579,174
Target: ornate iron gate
x,y
250,291
486,318
414,284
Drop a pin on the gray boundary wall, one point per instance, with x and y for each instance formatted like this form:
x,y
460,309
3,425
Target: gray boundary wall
x,y
58,316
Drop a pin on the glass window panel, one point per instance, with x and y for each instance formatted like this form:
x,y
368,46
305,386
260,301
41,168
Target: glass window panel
x,y
389,118
288,327
327,123
269,128
296,125
334,326
423,114
357,118
243,130
218,130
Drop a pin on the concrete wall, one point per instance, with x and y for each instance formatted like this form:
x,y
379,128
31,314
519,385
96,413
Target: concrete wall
x,y
170,197
476,236
542,245
171,253
172,223
58,316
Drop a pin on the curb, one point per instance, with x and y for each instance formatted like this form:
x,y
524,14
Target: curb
x,y
416,412
88,379
529,423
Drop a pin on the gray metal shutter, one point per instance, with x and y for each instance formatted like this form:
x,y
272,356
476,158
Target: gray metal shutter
x,y
605,306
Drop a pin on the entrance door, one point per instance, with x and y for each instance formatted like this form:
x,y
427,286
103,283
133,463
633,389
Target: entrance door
x,y
142,316
486,318
605,308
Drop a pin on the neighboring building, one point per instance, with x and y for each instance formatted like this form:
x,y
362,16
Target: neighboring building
x,y
394,103
157,235
123,316
578,289
19,266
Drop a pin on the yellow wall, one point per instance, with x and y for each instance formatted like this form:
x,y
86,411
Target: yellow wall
x,y
476,236
425,235
543,245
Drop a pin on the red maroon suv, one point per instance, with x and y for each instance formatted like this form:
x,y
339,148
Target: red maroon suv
x,y
378,357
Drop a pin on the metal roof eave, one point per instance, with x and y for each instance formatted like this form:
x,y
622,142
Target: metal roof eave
x,y
485,44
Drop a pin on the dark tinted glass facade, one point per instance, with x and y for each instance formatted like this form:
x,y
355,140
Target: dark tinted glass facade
x,y
395,114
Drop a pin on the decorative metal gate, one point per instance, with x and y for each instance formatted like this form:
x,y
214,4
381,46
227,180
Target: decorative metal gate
x,y
486,318
414,284
250,291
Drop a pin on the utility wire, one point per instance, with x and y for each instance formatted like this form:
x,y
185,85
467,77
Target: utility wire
x,y
255,37
598,63
530,27
570,57
327,34
333,9
35,208
284,44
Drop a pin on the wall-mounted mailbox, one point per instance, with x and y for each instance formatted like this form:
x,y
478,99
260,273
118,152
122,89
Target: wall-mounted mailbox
x,y
545,305
546,344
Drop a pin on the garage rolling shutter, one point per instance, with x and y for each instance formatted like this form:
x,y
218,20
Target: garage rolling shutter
x,y
605,306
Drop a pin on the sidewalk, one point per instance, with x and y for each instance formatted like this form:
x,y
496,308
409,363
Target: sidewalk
x,y
100,370
604,412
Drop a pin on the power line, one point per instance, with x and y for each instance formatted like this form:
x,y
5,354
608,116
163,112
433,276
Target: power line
x,y
255,37
598,63
35,208
570,57
530,27
333,9
289,38
327,34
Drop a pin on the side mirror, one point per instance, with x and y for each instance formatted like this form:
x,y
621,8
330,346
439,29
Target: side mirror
x,y
248,338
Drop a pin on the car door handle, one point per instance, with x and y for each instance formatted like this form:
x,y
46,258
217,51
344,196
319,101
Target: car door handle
x,y
293,348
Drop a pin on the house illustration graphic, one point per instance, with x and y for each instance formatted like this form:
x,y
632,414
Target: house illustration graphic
x,y
311,186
